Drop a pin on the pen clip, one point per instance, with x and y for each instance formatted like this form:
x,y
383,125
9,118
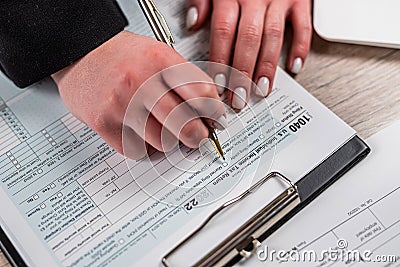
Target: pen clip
x,y
163,22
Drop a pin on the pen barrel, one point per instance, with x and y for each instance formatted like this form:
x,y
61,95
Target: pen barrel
x,y
155,20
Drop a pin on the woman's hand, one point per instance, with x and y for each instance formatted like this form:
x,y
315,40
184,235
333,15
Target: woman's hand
x,y
98,88
248,34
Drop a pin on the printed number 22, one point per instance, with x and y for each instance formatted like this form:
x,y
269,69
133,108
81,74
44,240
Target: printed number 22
x,y
191,204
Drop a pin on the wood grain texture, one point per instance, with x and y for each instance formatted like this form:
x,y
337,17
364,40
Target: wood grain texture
x,y
360,84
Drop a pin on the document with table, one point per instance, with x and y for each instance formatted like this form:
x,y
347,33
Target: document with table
x,y
359,214
68,199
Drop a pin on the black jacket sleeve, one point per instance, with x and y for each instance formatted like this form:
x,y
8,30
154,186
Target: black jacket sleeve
x,y
40,37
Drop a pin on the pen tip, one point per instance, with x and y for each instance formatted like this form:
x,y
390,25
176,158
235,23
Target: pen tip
x,y
214,140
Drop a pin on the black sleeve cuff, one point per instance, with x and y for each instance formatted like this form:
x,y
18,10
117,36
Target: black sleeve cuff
x,y
41,37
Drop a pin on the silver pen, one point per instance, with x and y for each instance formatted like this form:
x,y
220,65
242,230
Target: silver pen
x,y
163,33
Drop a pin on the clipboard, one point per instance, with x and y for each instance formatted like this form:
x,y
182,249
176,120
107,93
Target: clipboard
x,y
243,244
245,240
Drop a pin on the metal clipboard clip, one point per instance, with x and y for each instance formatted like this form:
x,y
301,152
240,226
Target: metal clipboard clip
x,y
244,241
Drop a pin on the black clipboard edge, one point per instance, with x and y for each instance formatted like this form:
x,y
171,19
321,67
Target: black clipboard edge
x,y
321,177
10,251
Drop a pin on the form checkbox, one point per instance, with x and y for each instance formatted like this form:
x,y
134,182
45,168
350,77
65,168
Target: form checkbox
x,y
121,241
42,206
262,136
52,185
278,124
47,135
36,196
225,164
17,166
59,194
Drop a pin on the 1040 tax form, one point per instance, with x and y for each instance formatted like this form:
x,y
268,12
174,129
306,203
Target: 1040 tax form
x,y
68,199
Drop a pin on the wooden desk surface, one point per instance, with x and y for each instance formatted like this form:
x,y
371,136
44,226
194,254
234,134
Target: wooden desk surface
x,y
360,84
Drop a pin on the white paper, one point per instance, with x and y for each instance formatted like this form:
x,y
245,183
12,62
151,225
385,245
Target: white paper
x,y
360,212
76,203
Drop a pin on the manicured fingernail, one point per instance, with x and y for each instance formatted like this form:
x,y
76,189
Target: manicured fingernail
x,y
297,65
221,123
220,81
192,16
239,98
262,87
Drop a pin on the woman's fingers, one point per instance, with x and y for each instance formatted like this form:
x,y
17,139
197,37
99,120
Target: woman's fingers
x,y
247,33
224,21
197,13
271,46
302,32
162,121
170,105
261,22
134,147
158,136
196,89
247,47
174,114
180,120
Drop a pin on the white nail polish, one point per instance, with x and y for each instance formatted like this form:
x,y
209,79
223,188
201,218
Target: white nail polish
x,y
297,65
221,123
192,16
220,81
239,98
262,87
